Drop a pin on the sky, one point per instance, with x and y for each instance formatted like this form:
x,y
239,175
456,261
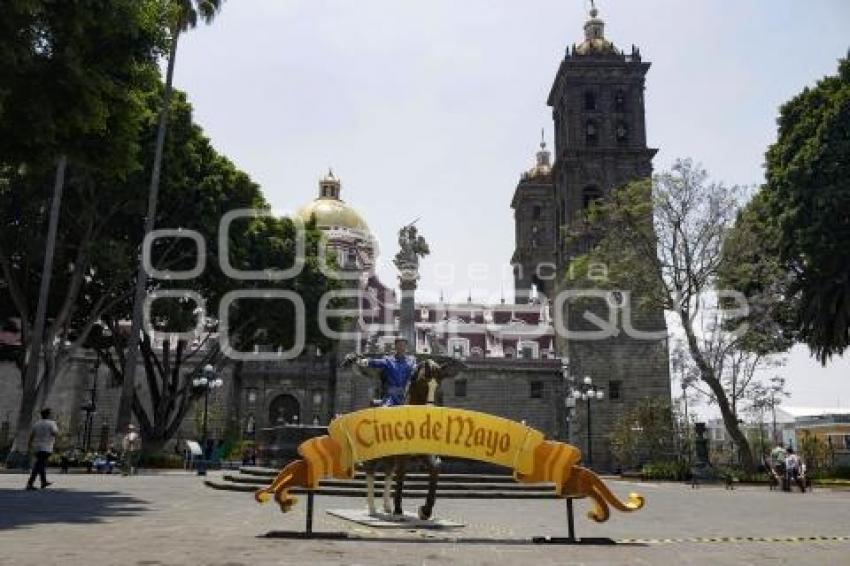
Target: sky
x,y
433,109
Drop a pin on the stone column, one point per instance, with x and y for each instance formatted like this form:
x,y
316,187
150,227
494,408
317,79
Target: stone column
x,y
407,325
412,246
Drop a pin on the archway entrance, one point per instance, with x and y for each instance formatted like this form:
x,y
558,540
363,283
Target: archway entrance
x,y
284,409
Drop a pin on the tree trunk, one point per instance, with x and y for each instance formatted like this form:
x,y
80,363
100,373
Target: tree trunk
x,y
30,389
125,406
18,456
730,419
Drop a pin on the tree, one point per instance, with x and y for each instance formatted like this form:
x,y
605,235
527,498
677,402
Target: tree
x,y
801,218
198,188
183,16
664,242
63,99
764,398
644,433
737,365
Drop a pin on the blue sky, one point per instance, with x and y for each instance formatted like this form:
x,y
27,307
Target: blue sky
x,y
434,108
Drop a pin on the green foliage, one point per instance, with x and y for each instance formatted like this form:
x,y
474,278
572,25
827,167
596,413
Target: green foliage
x,y
799,224
739,474
670,470
644,433
833,473
80,78
814,452
67,71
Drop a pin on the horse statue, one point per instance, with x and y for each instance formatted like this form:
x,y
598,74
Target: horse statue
x,y
422,390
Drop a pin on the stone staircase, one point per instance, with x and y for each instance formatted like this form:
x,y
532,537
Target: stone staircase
x,y
451,485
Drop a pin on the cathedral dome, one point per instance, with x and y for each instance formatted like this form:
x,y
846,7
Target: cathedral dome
x,y
345,231
542,170
594,37
334,214
331,212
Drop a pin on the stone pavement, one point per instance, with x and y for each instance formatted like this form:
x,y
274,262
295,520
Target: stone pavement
x,y
173,519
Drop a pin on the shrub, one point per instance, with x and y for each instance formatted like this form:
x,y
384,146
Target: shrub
x,y
837,472
665,470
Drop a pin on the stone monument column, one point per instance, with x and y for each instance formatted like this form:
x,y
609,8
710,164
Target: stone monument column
x,y
412,246
407,327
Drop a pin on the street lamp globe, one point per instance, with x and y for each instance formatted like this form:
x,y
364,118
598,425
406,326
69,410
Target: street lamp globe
x,y
587,380
600,395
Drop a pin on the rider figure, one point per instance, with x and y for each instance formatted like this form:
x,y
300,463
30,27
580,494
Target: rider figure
x,y
396,373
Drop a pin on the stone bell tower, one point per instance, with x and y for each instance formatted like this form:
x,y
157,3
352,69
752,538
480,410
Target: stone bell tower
x,y
597,102
534,256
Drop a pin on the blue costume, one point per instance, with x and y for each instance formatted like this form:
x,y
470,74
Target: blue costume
x,y
396,375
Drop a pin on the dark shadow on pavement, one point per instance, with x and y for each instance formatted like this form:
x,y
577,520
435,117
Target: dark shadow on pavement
x,y
343,536
20,508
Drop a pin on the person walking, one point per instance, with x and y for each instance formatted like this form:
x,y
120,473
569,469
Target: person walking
x,y
132,444
42,438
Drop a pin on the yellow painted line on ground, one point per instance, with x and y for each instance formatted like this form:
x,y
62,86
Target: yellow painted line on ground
x,y
733,539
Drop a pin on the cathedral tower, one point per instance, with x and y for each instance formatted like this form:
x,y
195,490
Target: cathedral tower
x,y
534,217
597,102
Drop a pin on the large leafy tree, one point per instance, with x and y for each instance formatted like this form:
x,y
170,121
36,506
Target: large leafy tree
x,y
69,72
198,187
664,242
799,223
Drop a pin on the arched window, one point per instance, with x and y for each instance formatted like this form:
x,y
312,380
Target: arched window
x,y
458,347
284,409
535,212
620,100
622,132
589,196
589,101
591,133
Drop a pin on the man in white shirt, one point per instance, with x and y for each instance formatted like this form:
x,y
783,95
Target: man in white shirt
x,y
794,470
42,437
132,444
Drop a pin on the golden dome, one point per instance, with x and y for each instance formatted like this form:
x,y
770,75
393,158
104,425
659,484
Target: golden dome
x,y
594,36
543,167
333,213
330,211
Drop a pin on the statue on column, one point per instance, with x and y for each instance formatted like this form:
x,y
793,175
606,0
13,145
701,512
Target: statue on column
x,y
412,246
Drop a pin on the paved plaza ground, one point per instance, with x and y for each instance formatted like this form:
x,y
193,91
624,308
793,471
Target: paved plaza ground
x,y
172,519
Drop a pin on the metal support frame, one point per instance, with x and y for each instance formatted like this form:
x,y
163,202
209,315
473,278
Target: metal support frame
x,y
571,527
308,528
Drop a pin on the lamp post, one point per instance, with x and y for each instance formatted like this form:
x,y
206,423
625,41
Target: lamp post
x,y
588,392
90,408
206,381
569,400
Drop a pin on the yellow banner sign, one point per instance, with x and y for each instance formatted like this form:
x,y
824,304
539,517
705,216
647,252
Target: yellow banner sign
x,y
391,431
386,432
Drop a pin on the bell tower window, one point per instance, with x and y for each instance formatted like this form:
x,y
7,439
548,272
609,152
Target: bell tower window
x,y
622,133
620,100
589,101
589,196
591,133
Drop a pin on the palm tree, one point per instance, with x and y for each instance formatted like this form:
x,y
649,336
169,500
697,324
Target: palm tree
x,y
184,15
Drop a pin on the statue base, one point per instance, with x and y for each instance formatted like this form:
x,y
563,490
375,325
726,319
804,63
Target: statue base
x,y
388,521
